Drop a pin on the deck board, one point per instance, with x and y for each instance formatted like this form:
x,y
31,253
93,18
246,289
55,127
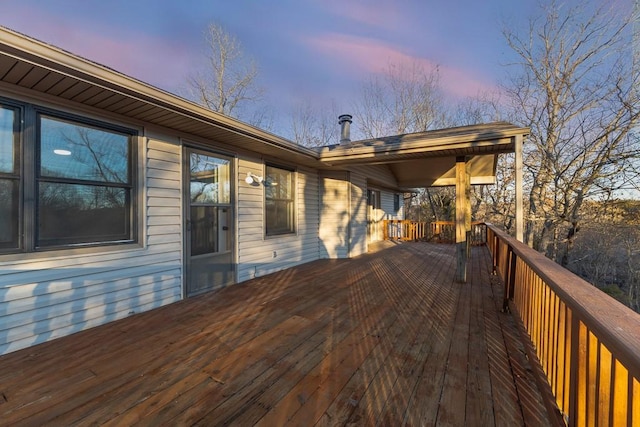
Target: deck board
x,y
388,338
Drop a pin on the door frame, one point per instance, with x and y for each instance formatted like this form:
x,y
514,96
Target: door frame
x,y
187,149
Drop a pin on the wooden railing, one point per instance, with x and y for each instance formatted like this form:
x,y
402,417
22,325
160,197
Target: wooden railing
x,y
405,230
438,231
587,343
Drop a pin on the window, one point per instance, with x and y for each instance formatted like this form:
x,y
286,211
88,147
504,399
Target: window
x,y
9,178
76,187
396,202
279,191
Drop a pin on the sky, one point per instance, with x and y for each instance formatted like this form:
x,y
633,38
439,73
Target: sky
x,y
307,51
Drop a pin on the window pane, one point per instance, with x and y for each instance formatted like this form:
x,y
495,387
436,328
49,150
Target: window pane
x,y
210,182
8,146
279,201
75,151
8,214
280,217
71,213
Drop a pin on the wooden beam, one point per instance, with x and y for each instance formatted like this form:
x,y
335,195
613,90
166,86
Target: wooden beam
x,y
519,204
463,217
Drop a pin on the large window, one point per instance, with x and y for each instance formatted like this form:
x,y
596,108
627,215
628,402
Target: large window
x,y
279,201
72,185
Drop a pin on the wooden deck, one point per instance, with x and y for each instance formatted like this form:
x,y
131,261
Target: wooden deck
x,y
387,338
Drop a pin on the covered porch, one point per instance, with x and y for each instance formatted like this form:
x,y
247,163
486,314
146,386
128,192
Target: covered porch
x,y
386,338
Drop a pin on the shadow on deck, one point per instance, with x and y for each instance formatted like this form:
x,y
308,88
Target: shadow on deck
x,y
387,338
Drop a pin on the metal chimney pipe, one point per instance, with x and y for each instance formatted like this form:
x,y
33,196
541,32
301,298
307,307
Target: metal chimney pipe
x,y
344,121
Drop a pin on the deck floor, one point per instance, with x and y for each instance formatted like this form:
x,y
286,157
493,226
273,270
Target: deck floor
x,y
387,338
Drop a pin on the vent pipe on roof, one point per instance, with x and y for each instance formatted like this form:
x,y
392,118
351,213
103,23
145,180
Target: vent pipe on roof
x,y
344,121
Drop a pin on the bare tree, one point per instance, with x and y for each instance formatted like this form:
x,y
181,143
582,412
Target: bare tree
x,y
314,126
227,83
575,87
405,99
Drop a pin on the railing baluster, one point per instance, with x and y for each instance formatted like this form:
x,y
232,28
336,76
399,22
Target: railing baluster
x,y
591,359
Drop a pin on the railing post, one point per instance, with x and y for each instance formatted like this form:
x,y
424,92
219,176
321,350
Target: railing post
x,y
510,279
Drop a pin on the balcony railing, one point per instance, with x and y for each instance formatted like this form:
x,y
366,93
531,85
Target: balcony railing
x,y
587,343
437,231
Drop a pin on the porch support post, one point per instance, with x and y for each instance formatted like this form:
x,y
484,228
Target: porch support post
x,y
519,203
463,217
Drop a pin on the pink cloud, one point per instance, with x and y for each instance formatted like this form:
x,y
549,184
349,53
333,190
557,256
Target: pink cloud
x,y
159,62
361,55
384,15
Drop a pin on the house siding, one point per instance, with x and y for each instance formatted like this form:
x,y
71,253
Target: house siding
x,y
45,298
259,254
358,219
335,205
386,204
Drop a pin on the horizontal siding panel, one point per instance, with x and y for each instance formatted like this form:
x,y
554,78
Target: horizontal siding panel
x,y
155,239
137,275
168,259
35,309
164,211
163,165
164,229
163,183
164,192
64,325
78,260
163,201
163,220
164,174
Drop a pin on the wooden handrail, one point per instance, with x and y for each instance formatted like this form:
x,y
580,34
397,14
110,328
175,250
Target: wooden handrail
x,y
587,343
437,231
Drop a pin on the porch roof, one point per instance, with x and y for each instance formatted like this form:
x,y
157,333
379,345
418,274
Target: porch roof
x,y
417,160
428,158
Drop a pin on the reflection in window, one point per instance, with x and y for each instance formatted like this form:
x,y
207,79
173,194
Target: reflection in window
x,y
8,140
84,189
210,181
71,213
279,201
9,214
9,179
71,150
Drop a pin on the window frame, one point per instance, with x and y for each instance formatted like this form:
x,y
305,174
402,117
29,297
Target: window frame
x,y
17,174
292,202
396,202
30,178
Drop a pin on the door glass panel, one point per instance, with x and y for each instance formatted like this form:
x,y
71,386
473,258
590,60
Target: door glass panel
x,y
209,179
210,229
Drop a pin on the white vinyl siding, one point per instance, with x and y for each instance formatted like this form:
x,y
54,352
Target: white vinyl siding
x,y
358,217
50,297
259,254
387,205
334,220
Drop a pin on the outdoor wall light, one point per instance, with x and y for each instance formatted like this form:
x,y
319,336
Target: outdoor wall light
x,y
253,179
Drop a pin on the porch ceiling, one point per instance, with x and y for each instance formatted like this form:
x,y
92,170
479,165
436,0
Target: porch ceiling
x,y
428,158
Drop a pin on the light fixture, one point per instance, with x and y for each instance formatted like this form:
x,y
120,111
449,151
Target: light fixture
x,y
252,179
62,152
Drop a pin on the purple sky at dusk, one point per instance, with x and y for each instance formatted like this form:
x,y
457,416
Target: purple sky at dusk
x,y
318,50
